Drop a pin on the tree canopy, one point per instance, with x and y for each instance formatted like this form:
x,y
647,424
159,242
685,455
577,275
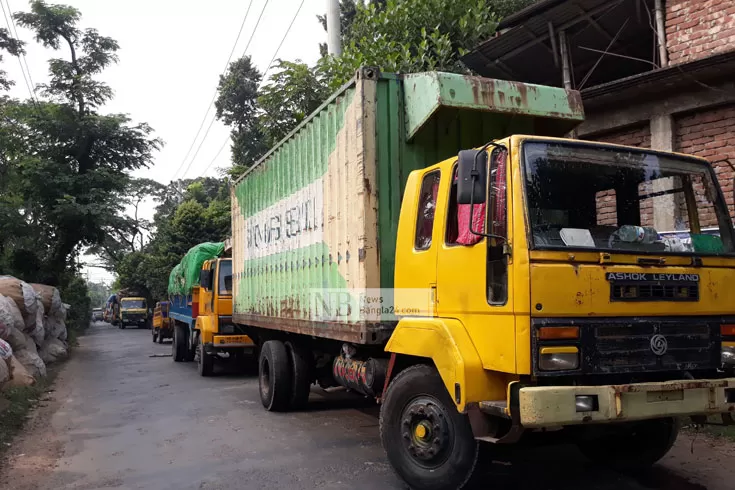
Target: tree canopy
x,y
66,166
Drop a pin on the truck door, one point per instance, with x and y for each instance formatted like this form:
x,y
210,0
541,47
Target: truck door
x,y
473,272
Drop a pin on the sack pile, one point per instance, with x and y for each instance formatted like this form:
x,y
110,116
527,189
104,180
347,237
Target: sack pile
x,y
32,331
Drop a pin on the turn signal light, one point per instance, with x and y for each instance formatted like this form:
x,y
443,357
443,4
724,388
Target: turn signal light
x,y
553,333
727,330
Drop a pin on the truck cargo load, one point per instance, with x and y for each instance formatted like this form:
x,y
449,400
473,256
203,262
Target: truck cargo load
x,y
317,216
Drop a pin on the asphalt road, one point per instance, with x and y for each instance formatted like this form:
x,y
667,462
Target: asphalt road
x,y
124,415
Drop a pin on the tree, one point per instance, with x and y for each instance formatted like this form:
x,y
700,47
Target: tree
x,y
236,106
67,163
190,212
98,293
293,92
415,35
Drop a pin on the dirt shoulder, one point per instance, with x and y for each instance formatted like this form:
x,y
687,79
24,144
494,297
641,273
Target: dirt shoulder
x,y
28,458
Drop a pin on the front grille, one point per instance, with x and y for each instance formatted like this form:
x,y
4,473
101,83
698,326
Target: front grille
x,y
627,347
654,292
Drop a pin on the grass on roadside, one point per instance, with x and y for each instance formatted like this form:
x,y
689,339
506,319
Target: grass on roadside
x,y
724,431
17,404
717,431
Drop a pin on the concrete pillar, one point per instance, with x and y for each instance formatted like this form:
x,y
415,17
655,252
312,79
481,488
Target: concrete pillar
x,y
662,138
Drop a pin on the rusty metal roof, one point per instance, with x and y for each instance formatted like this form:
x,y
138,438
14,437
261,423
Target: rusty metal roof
x,y
526,48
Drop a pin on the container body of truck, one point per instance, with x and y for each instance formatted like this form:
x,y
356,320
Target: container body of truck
x,y
203,330
133,312
479,295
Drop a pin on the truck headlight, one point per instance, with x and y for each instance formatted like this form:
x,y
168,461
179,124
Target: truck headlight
x,y
558,359
227,329
728,353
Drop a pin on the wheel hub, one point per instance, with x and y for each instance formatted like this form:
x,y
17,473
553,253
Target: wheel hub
x,y
425,431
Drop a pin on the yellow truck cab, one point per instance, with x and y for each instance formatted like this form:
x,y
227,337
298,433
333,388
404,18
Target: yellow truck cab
x,y
216,332
592,291
133,311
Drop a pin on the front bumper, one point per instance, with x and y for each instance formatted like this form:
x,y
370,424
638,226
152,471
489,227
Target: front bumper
x,y
548,406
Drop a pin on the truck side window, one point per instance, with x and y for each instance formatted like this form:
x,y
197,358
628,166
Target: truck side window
x,y
497,261
426,210
225,277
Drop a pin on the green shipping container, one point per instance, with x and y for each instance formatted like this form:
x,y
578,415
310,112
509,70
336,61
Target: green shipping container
x,y
316,218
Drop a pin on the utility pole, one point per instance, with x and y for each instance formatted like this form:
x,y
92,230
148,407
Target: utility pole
x,y
334,39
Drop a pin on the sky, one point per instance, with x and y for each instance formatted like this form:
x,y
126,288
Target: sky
x,y
171,54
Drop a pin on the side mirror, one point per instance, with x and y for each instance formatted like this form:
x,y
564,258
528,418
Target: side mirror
x,y
472,177
205,278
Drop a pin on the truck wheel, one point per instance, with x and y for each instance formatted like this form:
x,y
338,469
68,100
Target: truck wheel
x,y
274,376
205,364
160,336
180,345
429,444
301,375
631,447
155,335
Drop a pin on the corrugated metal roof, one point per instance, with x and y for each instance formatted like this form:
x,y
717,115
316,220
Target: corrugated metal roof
x,y
524,51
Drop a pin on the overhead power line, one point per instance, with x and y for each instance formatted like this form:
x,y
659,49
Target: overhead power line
x,y
23,55
13,33
252,35
214,96
275,54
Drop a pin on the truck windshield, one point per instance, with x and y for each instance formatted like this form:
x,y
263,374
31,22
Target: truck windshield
x,y
133,303
225,277
582,196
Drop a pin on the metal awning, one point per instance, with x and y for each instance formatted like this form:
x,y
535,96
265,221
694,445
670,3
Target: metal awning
x,y
606,40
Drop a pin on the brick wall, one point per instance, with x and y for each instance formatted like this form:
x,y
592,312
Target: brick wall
x,y
711,134
632,136
699,28
639,136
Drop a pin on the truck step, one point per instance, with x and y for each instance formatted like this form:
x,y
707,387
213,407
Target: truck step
x,y
496,408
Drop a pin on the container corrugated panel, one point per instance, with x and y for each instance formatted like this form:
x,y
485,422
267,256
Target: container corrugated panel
x,y
305,219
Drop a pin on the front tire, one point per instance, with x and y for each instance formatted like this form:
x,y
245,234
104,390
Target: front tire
x,y
632,446
429,444
180,345
205,364
274,376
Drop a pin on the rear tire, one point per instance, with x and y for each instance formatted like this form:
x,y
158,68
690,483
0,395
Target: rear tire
x,y
274,376
180,345
300,362
205,364
429,444
632,447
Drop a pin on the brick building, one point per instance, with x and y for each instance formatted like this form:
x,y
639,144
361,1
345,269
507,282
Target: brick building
x,y
652,73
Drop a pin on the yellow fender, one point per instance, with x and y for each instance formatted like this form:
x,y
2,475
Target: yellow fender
x,y
446,342
206,329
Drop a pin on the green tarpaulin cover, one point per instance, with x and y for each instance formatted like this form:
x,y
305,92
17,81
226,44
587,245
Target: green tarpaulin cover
x,y
185,275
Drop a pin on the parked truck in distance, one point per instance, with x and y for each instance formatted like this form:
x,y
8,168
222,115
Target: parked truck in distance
x,y
133,311
428,240
200,297
163,324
